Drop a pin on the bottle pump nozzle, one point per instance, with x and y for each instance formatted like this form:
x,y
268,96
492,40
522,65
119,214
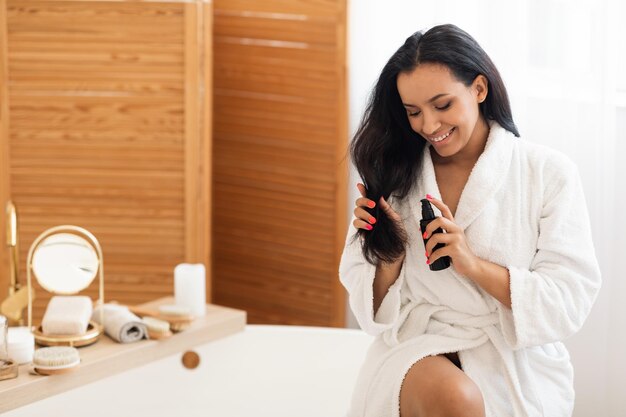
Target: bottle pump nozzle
x,y
427,210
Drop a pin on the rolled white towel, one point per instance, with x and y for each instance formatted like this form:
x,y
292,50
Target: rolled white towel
x,y
120,324
67,315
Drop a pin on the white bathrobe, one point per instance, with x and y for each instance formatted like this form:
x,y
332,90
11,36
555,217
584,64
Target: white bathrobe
x,y
523,208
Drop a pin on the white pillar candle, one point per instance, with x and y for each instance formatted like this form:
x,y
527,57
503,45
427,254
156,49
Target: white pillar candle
x,y
21,344
190,287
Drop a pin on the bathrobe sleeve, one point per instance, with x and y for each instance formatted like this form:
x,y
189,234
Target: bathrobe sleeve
x,y
552,298
357,276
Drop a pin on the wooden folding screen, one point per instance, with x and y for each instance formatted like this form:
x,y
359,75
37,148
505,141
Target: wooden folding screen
x,y
105,122
280,140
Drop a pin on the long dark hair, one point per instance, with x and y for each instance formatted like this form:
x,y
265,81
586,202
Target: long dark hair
x,y
385,149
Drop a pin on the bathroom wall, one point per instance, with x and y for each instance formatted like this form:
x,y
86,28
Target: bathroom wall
x,y
109,131
4,155
561,67
617,311
280,135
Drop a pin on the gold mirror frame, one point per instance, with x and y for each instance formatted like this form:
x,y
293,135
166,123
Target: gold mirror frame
x,y
94,330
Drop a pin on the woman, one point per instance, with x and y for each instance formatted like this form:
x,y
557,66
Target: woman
x,y
482,337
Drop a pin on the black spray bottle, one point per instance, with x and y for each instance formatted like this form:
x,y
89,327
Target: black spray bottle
x,y
428,216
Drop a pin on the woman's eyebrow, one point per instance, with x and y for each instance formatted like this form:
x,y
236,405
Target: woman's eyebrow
x,y
429,101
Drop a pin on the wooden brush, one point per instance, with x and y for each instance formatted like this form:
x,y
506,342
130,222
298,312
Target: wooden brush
x,y
157,329
179,318
55,360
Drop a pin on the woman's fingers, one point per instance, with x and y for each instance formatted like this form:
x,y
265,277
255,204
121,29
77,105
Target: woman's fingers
x,y
363,219
362,214
439,253
437,238
453,240
388,210
443,208
365,202
443,223
361,224
361,189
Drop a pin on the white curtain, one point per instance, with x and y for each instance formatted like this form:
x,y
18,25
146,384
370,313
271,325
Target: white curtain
x,y
564,64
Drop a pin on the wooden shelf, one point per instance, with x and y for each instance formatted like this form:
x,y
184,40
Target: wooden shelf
x,y
107,358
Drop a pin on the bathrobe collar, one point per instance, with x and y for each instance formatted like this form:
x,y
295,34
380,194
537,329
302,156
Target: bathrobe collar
x,y
484,181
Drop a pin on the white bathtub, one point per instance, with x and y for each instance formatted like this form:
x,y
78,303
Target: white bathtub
x,y
263,371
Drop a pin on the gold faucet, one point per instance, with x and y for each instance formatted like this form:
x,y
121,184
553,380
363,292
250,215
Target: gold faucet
x,y
12,243
13,306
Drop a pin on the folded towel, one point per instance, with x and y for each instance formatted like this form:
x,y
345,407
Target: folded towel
x,y
67,315
120,324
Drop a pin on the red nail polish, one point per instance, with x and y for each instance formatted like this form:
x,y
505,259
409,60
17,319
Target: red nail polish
x,y
372,220
371,204
428,196
369,227
427,262
425,235
427,254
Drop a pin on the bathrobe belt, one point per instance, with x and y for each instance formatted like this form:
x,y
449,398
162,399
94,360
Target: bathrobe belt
x,y
460,319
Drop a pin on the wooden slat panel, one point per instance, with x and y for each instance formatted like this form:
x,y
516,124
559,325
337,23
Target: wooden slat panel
x,y
266,208
4,153
110,130
257,108
246,273
299,57
117,119
198,73
283,9
276,130
309,69
287,202
279,148
291,29
259,311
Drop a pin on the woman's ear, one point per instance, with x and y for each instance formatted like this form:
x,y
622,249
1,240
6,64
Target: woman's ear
x,y
481,87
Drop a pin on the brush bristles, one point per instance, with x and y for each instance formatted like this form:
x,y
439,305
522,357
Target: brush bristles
x,y
56,356
156,325
174,310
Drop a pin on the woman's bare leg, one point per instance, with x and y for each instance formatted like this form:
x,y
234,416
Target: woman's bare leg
x,y
435,387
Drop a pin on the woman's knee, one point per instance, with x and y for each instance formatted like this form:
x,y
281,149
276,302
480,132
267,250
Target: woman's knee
x,y
461,397
435,387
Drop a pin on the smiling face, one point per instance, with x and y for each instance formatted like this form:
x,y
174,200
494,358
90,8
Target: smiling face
x,y
444,111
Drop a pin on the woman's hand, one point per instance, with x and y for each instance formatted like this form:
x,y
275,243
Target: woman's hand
x,y
364,220
463,259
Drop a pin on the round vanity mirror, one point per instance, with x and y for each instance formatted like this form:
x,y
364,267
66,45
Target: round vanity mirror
x,y
65,260
65,263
